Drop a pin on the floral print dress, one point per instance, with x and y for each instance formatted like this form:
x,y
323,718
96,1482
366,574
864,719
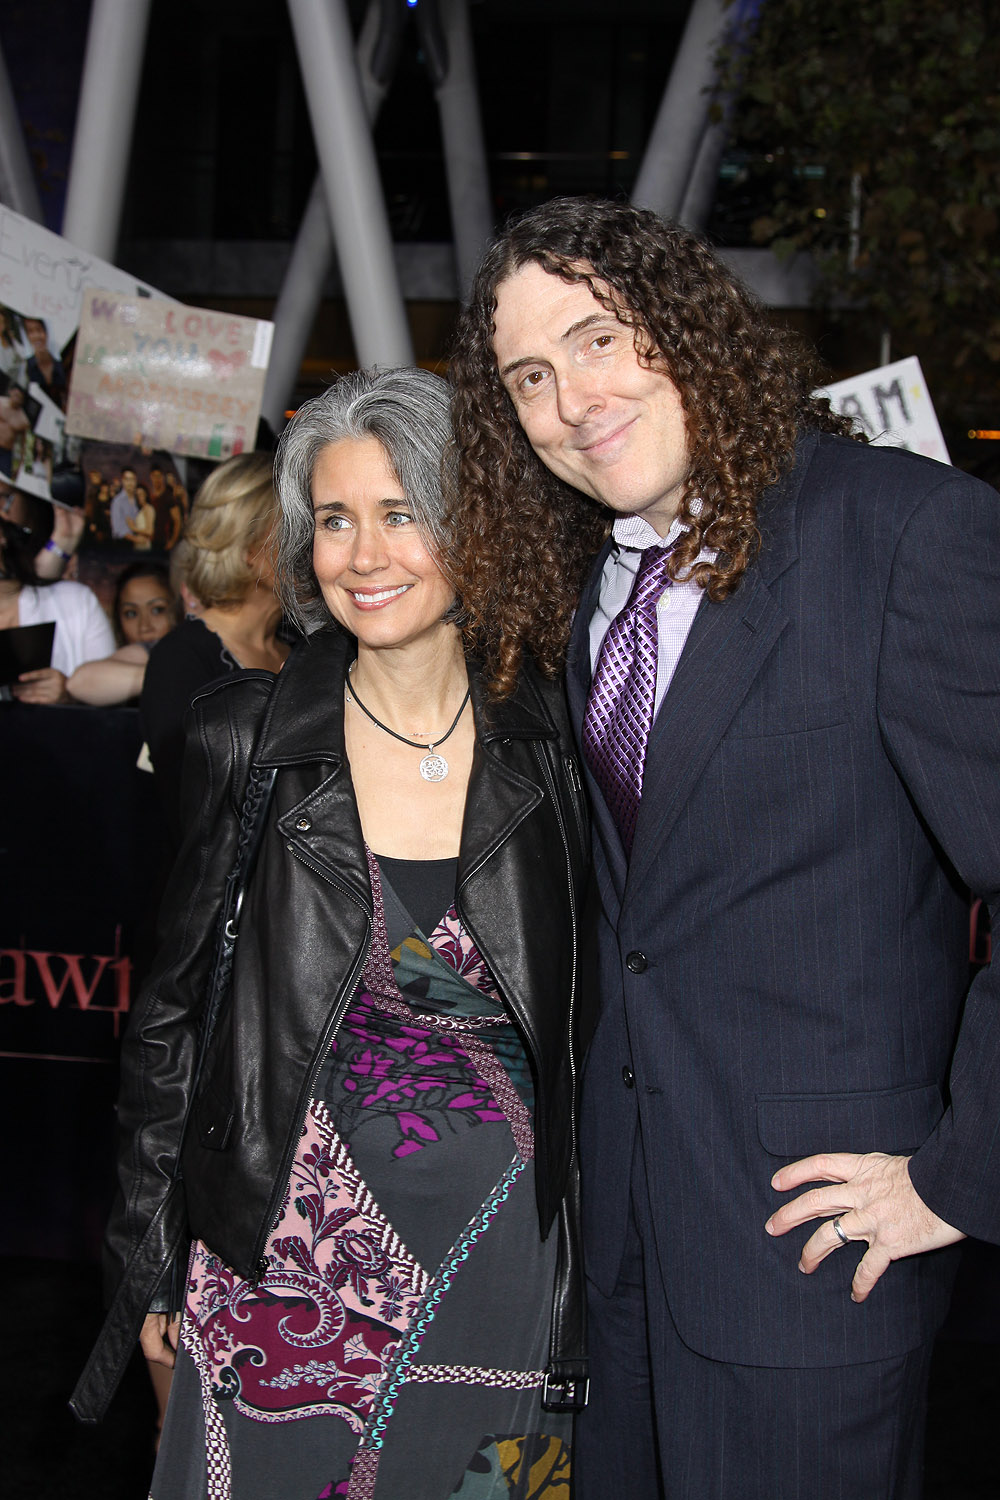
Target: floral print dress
x,y
395,1348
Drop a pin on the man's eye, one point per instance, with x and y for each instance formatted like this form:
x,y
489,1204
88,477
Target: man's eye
x,y
532,379
604,340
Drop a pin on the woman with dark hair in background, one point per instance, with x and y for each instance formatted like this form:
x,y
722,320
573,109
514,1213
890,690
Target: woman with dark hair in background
x,y
383,1298
145,610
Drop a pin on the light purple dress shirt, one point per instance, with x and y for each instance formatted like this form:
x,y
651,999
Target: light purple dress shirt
x,y
677,607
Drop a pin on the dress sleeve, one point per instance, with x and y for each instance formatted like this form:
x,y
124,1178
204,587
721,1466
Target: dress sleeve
x,y
939,713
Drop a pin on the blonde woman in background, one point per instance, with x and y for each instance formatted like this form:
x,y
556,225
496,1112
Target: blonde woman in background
x,y
224,560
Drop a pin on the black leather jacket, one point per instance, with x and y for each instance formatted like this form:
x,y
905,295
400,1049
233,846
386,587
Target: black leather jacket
x,y
304,935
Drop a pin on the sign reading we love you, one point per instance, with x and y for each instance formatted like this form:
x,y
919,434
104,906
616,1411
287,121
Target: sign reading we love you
x,y
161,375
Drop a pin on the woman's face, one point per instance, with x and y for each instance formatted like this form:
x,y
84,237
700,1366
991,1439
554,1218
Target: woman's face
x,y
374,569
142,495
145,610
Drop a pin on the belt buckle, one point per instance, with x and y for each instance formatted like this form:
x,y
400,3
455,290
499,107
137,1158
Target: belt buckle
x,y
569,1394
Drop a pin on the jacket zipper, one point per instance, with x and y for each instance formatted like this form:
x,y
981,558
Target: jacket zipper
x,y
573,775
551,784
258,1268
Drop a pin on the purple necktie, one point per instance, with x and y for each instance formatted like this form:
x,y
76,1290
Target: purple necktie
x,y
619,712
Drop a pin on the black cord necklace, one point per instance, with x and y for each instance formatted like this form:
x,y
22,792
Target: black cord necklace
x,y
432,767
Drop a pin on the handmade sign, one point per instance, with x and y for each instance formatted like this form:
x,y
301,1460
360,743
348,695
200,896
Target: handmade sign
x,y
161,375
892,406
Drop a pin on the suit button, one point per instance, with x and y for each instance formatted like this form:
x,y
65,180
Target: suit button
x,y
628,1078
636,962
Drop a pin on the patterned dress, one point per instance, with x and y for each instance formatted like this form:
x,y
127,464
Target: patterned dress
x,y
395,1348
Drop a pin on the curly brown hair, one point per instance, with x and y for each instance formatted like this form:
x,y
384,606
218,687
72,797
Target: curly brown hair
x,y
525,539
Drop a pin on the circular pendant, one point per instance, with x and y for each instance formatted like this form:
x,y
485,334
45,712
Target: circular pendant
x,y
433,768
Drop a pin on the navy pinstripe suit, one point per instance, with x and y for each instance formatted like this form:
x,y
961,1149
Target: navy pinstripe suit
x,y
784,958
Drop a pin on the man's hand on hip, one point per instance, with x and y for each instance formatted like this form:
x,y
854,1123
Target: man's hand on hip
x,y
872,1199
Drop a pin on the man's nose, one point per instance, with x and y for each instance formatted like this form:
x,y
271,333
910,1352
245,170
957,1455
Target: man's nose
x,y
577,397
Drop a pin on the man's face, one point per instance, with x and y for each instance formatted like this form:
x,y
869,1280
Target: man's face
x,y
35,334
129,481
156,483
16,397
598,418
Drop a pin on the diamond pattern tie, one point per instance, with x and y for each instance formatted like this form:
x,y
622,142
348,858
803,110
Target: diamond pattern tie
x,y
619,713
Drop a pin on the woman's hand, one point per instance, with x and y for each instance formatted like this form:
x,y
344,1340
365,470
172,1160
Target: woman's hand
x,y
46,685
67,529
67,526
158,1339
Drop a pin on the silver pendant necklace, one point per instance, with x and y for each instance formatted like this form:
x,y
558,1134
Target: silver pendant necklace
x,y
432,767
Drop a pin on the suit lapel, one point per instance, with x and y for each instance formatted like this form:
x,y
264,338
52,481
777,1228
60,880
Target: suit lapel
x,y
725,650
727,646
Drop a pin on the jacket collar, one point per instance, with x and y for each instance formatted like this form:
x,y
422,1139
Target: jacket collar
x,y
305,716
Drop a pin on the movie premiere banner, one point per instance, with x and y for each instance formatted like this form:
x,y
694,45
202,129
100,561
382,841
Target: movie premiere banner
x,y
80,865
165,376
892,407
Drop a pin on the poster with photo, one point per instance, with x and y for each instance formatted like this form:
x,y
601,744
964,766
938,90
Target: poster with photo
x,y
42,282
134,498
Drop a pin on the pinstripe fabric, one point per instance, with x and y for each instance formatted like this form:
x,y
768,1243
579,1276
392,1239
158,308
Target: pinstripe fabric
x,y
663,1421
821,779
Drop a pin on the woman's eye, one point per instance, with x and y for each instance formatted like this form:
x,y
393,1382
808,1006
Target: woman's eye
x,y
333,523
398,518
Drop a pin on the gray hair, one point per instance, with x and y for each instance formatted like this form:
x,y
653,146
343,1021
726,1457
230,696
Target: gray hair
x,y
409,412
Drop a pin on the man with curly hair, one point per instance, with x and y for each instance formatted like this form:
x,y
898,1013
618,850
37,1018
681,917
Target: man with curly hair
x,y
785,674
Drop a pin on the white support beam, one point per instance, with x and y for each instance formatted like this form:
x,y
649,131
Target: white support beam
x,y
464,147
702,184
350,174
311,260
683,114
18,188
102,140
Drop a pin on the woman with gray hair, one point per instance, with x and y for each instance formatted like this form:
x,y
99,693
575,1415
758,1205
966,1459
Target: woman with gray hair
x,y
378,1166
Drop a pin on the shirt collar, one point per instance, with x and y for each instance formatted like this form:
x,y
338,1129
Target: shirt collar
x,y
634,532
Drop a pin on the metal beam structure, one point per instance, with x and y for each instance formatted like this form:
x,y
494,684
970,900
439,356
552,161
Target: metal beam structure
x,y
351,180
18,188
102,140
464,147
699,194
683,114
311,259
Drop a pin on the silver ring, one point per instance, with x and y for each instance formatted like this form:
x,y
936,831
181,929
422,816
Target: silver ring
x,y
838,1231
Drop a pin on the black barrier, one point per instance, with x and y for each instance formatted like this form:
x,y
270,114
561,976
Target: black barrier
x,y
79,862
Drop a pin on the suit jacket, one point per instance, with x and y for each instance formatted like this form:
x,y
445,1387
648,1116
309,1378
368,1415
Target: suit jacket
x,y
784,959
